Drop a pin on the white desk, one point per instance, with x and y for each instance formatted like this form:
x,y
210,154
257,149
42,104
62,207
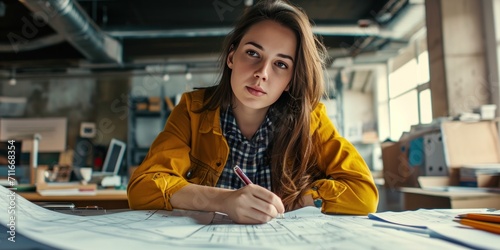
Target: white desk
x,y
415,198
106,198
306,228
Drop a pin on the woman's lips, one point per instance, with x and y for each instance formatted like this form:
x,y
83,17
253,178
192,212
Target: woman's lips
x,y
256,91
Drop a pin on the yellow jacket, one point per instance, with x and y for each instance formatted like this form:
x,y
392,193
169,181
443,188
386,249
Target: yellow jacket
x,y
192,149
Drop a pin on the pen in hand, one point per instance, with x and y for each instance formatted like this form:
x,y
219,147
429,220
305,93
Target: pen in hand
x,y
242,175
247,181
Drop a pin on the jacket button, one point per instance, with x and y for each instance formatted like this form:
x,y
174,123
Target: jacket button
x,y
218,164
189,174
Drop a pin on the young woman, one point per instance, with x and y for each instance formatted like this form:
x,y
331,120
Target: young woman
x,y
264,116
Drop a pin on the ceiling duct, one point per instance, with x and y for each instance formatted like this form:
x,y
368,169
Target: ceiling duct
x,y
327,30
68,19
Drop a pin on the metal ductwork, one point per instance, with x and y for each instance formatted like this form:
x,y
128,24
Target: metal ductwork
x,y
327,30
68,19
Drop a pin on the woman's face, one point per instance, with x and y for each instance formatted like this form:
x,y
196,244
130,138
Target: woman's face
x,y
262,65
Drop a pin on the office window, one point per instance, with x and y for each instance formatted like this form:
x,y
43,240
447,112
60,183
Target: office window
x,y
407,100
403,79
423,75
403,113
425,106
384,119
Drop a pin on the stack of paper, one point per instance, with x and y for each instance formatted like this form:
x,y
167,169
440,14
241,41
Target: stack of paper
x,y
480,175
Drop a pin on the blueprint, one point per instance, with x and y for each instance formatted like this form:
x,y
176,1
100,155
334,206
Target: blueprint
x,y
180,229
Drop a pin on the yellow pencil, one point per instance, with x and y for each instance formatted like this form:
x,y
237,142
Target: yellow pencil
x,y
482,217
486,226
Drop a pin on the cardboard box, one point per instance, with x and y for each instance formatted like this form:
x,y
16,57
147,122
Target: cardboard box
x,y
445,150
397,172
154,100
154,107
465,144
469,143
141,106
154,104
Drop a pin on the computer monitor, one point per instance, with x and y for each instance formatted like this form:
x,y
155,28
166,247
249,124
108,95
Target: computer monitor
x,y
114,157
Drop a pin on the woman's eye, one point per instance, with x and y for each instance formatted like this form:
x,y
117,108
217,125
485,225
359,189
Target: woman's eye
x,y
281,65
252,53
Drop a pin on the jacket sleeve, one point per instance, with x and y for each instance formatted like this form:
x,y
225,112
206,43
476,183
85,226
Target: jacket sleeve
x,y
161,173
349,187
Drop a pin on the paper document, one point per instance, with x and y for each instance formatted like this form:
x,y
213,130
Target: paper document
x,y
306,228
424,218
440,223
473,238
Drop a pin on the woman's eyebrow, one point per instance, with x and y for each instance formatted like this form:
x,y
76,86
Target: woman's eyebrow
x,y
262,48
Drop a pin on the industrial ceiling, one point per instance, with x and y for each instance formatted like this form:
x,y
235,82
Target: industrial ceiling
x,y
43,35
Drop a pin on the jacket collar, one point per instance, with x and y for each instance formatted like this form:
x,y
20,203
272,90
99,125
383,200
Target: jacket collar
x,y
209,119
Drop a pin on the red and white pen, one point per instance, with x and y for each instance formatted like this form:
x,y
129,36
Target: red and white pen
x,y
244,178
242,175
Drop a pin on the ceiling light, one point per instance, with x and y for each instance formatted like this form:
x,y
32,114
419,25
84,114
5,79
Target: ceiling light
x,y
166,77
12,79
248,3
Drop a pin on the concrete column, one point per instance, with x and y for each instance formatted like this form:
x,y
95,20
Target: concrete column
x,y
380,95
457,56
491,14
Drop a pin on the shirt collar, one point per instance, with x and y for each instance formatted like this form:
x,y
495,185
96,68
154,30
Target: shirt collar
x,y
230,127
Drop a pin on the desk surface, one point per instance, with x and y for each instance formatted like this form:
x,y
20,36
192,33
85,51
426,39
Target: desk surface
x,y
300,229
107,198
454,194
182,229
100,195
415,198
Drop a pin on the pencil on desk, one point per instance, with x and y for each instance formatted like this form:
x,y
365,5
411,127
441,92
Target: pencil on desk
x,y
485,226
482,217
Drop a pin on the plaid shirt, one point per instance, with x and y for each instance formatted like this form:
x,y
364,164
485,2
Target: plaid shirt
x,y
249,155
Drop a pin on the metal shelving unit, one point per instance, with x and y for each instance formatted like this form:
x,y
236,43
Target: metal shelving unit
x,y
135,150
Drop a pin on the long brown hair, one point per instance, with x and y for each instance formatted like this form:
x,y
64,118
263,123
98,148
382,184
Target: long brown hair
x,y
294,155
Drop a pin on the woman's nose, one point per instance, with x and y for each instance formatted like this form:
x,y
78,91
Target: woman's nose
x,y
262,71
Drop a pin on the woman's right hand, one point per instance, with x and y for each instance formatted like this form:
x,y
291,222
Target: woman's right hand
x,y
252,204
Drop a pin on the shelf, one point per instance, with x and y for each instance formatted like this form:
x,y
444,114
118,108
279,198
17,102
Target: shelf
x,y
140,129
145,113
